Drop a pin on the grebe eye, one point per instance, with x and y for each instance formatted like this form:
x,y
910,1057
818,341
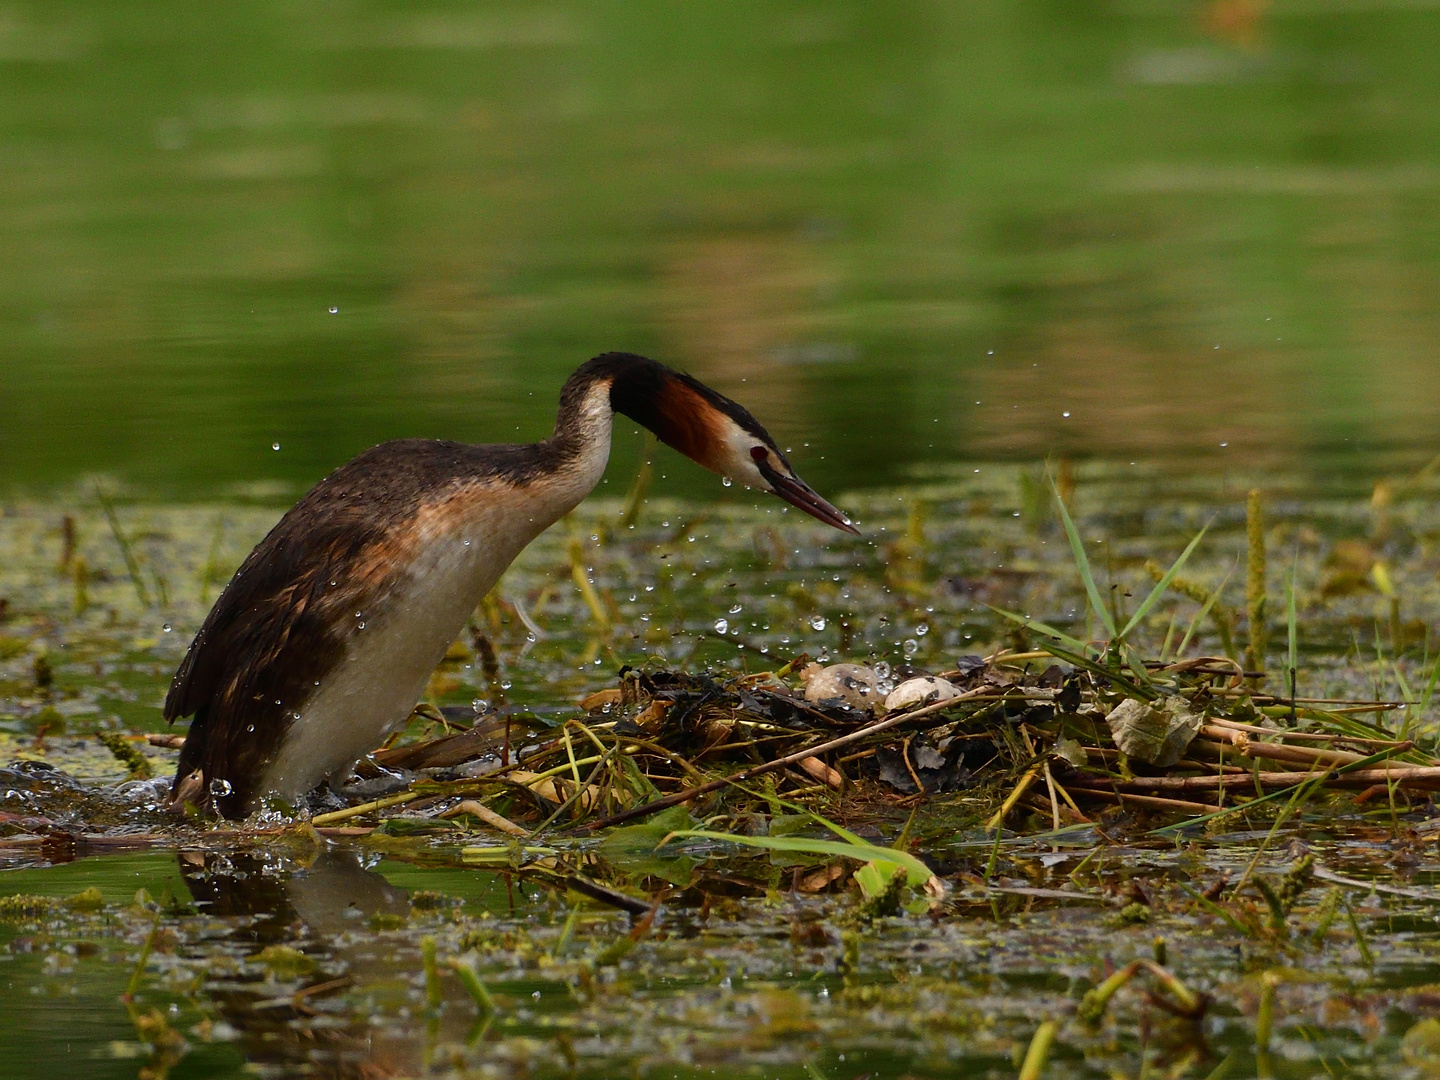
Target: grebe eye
x,y
759,453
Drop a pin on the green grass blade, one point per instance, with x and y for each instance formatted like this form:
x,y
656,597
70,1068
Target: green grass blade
x,y
1292,630
839,830
1424,702
915,870
1204,610
1136,663
1127,685
1216,910
1082,564
1406,695
1044,628
1160,586
132,565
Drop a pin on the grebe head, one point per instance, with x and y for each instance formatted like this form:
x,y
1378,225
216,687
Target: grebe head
x,y
709,428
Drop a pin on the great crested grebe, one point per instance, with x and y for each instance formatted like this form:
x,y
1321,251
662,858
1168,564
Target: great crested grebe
x,y
324,639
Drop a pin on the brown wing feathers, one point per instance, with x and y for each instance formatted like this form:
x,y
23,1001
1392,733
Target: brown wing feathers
x,y
276,631
283,620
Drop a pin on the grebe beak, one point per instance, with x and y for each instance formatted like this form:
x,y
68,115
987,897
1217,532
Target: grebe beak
x,y
800,494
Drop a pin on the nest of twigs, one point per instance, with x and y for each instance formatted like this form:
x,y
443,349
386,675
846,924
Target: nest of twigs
x,y
1009,733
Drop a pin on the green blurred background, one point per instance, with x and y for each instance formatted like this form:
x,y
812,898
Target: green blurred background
x,y
904,233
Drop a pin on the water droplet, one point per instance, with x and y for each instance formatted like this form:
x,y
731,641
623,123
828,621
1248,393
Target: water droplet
x,y
884,686
736,610
882,670
536,995
274,446
467,543
817,622
334,310
250,729
505,684
360,625
1065,414
921,630
220,788
167,628
479,705
722,626
911,647
649,588
726,481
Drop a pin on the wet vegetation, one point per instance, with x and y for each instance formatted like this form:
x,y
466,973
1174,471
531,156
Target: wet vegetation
x,y
1178,817
1162,807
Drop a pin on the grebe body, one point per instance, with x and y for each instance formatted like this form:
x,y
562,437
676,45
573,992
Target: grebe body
x,y
326,636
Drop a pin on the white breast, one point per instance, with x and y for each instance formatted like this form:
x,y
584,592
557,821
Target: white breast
x,y
389,659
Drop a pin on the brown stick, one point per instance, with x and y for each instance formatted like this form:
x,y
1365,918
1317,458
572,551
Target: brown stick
x,y
1341,705
1427,895
1146,800
1420,775
1300,755
1308,736
686,794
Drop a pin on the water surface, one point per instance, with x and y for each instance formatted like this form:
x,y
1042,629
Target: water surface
x,y
901,232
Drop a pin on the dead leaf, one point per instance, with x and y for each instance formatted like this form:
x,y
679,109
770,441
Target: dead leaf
x,y
1158,733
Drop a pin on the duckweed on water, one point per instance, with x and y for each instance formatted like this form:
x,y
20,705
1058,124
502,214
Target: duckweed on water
x,y
761,928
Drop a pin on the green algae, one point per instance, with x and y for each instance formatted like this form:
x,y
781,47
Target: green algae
x,y
762,960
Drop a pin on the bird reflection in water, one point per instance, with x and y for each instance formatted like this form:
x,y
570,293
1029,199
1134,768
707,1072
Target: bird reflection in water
x,y
291,1016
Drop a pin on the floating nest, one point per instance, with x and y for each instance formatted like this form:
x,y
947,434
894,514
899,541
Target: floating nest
x,y
998,736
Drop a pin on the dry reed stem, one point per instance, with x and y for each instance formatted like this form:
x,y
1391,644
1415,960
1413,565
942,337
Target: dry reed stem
x,y
1311,736
485,814
1023,785
364,808
1428,896
1152,801
1413,775
818,770
1240,743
